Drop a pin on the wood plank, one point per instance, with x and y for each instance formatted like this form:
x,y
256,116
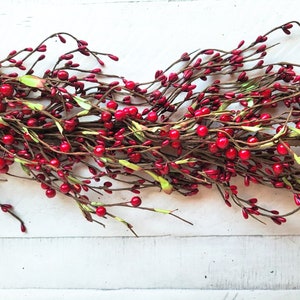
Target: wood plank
x,y
210,216
148,294
203,262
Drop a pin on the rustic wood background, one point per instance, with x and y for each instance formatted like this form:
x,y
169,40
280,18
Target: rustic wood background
x,y
222,256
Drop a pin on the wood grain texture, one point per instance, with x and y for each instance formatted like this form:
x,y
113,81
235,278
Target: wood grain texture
x,y
211,262
148,294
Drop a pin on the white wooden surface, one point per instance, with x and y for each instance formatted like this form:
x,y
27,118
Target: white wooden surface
x,y
222,256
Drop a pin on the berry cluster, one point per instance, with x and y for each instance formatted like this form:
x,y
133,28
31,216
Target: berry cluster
x,y
210,116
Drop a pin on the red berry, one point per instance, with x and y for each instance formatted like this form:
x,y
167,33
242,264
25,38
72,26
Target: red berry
x,y
107,184
102,132
4,170
280,128
50,193
40,177
70,125
202,130
130,85
112,104
152,116
226,117
277,168
105,116
174,134
31,122
266,93
132,110
222,142
120,115
44,186
65,188
61,173
2,163
109,125
282,148
135,201
231,153
252,139
225,132
6,90
244,154
62,75
135,157
26,110
297,199
55,162
173,77
27,136
113,57
2,107
100,211
76,188
202,111
176,144
65,147
245,213
213,148
23,228
8,139
265,117
99,150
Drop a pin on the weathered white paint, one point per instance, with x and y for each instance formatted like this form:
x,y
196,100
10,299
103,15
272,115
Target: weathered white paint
x,y
146,294
203,262
221,256
61,217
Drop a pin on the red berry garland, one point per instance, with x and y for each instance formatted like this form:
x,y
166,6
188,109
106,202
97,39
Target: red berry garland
x,y
209,117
